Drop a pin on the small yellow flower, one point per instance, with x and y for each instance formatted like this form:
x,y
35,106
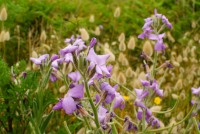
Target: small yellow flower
x,y
157,100
126,98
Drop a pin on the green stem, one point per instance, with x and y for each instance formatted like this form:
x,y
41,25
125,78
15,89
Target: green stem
x,y
164,128
87,123
66,128
154,64
196,125
91,103
143,121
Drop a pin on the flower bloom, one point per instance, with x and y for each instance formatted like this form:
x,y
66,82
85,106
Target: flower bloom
x,y
38,61
68,103
196,91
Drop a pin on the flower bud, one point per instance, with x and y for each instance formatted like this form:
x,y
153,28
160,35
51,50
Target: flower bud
x,y
3,14
81,110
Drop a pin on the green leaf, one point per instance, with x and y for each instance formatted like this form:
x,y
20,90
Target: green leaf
x,y
45,122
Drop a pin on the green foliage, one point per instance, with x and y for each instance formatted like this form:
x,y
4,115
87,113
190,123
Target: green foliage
x,y
5,76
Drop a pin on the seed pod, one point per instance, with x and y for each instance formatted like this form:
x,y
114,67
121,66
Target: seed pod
x,y
3,14
131,43
117,12
147,48
84,34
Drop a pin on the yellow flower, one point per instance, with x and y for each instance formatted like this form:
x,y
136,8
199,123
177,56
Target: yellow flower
x,y
157,100
126,98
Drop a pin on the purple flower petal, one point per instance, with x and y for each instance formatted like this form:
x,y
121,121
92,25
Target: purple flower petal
x,y
102,114
74,76
195,91
58,105
54,57
69,105
68,49
119,101
77,91
93,42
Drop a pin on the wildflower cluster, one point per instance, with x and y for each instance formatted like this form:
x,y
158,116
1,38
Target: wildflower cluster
x,y
86,80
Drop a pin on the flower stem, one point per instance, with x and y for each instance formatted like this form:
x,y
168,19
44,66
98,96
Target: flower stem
x,y
91,103
196,125
66,128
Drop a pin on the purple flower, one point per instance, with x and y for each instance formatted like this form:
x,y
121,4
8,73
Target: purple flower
x,y
53,78
199,125
139,114
102,114
69,49
54,57
145,83
55,63
119,101
68,57
128,125
98,61
81,45
164,19
38,61
110,91
154,122
196,91
159,46
69,40
145,33
74,76
68,103
93,42
155,87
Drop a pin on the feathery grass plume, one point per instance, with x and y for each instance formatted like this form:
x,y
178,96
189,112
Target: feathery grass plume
x,y
117,12
176,64
122,46
7,36
183,95
170,37
84,34
121,37
81,131
180,116
121,57
131,43
45,47
179,58
179,85
121,78
147,48
3,14
125,62
193,51
156,108
62,89
175,96
34,54
91,18
113,43
69,68
129,72
43,36
174,129
193,24
97,31
2,36
196,37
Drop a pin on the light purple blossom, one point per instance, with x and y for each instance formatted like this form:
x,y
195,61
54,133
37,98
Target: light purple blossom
x,y
54,57
119,101
196,91
69,49
70,40
98,61
102,113
156,88
55,63
74,76
164,19
68,103
38,61
159,46
110,91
